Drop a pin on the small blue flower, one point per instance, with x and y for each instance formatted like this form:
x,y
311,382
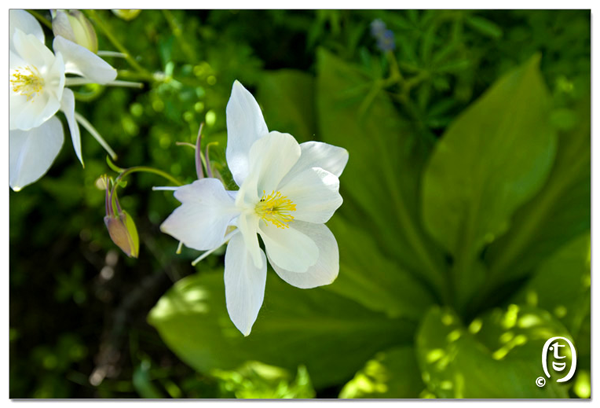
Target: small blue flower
x,y
377,28
386,41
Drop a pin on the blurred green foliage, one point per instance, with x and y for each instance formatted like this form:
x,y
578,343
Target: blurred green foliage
x,y
464,234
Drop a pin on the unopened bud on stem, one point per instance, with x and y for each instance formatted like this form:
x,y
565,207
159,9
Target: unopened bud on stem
x,y
74,26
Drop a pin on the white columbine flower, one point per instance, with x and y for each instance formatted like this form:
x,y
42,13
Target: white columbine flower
x,y
37,83
287,192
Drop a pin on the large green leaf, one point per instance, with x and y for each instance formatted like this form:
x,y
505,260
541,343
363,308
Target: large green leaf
x,y
497,356
369,277
331,335
492,159
380,183
287,98
557,214
393,373
366,274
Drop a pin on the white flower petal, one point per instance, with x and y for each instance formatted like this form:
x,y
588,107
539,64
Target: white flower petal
x,y
79,60
248,225
202,219
244,284
315,192
32,50
271,158
318,154
327,267
32,152
288,247
67,105
22,20
245,125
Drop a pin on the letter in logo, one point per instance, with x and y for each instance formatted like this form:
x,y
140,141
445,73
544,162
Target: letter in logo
x,y
557,366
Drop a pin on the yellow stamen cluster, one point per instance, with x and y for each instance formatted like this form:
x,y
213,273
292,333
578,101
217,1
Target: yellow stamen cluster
x,y
27,81
276,209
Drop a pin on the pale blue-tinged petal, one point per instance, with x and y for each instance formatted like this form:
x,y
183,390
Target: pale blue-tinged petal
x,y
319,154
271,158
81,61
327,267
288,247
22,20
244,284
204,215
315,192
245,125
32,152
67,105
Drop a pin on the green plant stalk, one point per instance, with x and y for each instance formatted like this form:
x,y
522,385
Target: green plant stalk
x,y
109,34
145,169
189,51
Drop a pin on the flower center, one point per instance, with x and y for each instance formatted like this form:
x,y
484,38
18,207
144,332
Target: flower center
x,y
276,209
27,81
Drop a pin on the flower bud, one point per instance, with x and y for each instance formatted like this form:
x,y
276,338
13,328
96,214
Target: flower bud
x,y
127,15
74,26
123,232
120,225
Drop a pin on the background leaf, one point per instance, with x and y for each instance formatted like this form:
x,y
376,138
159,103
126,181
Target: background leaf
x,y
295,327
492,159
557,214
384,151
498,355
393,373
287,98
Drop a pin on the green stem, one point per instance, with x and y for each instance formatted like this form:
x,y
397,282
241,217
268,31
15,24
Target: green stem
x,y
145,169
394,68
109,34
189,51
41,18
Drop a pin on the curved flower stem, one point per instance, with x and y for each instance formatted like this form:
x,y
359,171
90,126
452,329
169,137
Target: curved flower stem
x,y
127,55
41,18
145,169
88,126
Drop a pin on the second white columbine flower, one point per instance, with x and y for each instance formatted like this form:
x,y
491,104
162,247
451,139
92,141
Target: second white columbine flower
x,y
287,192
38,91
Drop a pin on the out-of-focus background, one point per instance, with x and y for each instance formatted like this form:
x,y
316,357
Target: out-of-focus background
x,y
494,232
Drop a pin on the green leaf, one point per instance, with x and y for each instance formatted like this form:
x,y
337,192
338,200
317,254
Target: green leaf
x,y
393,373
557,214
567,296
484,26
493,158
331,335
287,97
379,185
370,278
255,380
498,356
